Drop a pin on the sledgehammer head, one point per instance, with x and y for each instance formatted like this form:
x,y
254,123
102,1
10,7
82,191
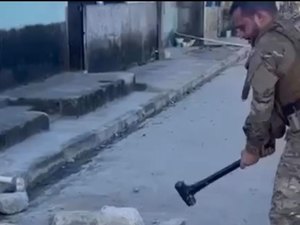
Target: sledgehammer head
x,y
185,193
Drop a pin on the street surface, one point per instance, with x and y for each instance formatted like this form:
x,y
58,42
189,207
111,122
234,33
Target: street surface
x,y
189,141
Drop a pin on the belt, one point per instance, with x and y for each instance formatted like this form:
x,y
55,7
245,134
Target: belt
x,y
291,108
291,113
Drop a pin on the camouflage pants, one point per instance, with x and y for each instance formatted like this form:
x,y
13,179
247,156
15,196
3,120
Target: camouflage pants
x,y
285,209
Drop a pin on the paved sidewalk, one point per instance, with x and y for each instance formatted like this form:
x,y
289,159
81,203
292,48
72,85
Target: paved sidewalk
x,y
71,140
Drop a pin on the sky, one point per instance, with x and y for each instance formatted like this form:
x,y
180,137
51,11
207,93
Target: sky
x,y
18,14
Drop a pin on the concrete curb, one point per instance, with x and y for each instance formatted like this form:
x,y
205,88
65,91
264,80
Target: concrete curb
x,y
85,144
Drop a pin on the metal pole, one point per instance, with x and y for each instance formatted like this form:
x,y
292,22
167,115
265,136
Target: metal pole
x,y
159,54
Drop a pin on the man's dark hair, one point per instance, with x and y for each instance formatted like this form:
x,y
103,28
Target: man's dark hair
x,y
250,8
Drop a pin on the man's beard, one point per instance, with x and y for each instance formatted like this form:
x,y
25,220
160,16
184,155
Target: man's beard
x,y
255,35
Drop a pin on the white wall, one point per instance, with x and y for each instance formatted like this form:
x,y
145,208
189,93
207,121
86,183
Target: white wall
x,y
169,21
18,14
211,21
119,34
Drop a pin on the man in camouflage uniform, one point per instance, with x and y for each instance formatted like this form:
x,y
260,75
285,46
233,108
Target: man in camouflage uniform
x,y
273,73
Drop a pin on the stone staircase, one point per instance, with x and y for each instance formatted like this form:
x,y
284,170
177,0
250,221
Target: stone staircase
x,y
28,110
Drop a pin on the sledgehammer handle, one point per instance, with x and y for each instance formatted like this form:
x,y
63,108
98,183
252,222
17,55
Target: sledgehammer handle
x,y
212,178
7,180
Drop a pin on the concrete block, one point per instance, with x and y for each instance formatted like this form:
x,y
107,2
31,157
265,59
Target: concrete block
x,y
107,216
75,217
12,203
18,123
176,221
72,94
120,216
7,223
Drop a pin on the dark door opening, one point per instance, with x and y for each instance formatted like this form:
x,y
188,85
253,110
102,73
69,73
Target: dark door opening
x,y
75,35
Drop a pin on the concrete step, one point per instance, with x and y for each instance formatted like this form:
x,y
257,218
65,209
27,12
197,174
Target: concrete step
x,y
72,94
70,139
19,123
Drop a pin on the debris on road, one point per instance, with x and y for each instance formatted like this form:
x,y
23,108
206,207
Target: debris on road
x,y
122,216
15,201
155,222
75,217
12,203
177,221
136,190
108,215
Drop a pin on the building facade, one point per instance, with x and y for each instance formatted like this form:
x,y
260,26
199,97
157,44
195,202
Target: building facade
x,y
40,39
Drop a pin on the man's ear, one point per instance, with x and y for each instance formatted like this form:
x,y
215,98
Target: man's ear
x,y
260,17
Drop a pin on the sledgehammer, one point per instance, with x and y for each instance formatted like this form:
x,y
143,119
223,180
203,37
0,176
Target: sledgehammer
x,y
16,201
187,192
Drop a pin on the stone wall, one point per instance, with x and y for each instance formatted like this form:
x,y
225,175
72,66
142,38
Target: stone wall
x,y
169,23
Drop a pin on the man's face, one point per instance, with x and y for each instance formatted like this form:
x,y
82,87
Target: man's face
x,y
245,25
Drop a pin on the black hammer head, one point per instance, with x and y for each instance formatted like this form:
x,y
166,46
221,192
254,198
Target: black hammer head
x,y
185,193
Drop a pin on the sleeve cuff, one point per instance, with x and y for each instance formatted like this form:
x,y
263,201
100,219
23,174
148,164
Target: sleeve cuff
x,y
252,149
262,151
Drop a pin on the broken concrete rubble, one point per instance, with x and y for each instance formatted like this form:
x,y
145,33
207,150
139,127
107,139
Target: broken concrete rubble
x,y
12,203
177,221
121,216
108,215
75,217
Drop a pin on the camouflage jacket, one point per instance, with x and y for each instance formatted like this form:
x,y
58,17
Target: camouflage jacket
x,y
272,56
